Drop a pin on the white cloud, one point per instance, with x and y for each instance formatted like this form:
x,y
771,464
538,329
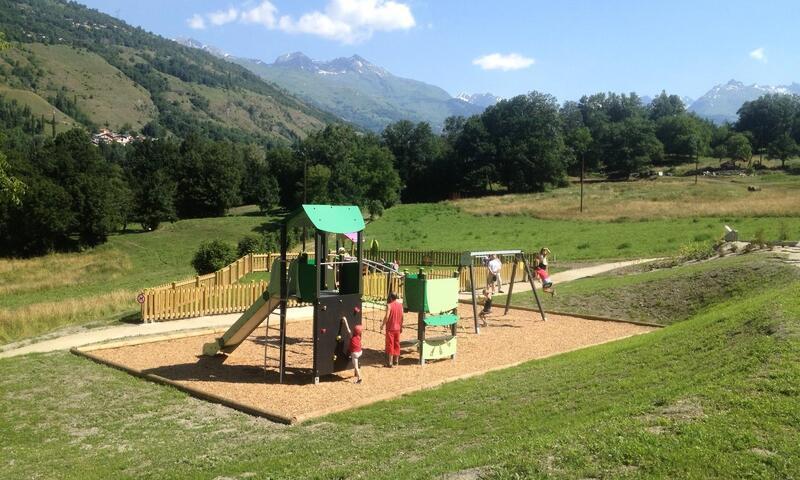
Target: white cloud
x,y
196,22
759,55
223,16
347,21
505,62
263,14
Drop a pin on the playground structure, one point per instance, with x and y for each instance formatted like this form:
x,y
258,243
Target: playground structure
x,y
311,279
468,260
438,297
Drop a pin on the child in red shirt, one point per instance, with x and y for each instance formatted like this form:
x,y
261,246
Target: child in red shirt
x,y
393,321
547,284
355,346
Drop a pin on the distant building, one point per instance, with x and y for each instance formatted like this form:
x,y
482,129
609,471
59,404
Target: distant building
x,y
107,136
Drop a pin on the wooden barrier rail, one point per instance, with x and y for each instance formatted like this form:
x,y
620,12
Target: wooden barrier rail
x,y
220,292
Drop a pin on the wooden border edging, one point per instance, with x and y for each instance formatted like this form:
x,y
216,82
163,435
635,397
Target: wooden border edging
x,y
209,397
582,315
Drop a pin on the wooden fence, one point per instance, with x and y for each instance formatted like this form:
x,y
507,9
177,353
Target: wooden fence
x,y
412,258
220,292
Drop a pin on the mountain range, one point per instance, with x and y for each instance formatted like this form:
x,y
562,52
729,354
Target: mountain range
x,y
363,93
721,103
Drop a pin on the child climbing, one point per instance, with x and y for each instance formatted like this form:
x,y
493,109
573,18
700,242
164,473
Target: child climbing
x,y
393,321
487,305
355,346
547,284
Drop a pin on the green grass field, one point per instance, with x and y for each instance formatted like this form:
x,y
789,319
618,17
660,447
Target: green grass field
x,y
100,285
712,396
443,226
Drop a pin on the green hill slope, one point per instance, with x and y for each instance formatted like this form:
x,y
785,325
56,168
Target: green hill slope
x,y
101,71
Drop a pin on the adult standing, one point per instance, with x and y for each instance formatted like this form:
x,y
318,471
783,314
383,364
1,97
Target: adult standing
x,y
495,267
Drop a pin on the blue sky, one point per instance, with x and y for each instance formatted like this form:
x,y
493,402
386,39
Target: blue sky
x,y
565,48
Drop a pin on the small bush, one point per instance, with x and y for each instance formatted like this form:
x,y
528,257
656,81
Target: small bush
x,y
249,244
760,239
696,251
583,246
213,255
702,237
623,246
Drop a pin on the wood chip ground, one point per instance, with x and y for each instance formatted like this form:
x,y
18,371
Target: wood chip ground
x,y
508,340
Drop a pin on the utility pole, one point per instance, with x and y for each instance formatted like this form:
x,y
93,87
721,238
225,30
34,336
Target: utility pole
x,y
696,158
583,167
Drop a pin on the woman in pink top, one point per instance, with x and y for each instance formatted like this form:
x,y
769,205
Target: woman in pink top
x,y
393,321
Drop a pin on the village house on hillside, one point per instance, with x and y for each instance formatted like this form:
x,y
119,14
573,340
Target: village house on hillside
x,y
107,136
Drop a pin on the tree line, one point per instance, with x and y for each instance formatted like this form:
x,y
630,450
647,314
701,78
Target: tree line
x,y
62,192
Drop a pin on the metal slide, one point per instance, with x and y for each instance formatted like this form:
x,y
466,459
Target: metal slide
x,y
266,303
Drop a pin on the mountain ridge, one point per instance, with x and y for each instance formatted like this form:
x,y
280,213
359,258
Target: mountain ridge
x,y
359,91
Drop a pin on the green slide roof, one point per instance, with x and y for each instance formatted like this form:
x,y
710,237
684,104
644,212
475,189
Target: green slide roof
x,y
329,218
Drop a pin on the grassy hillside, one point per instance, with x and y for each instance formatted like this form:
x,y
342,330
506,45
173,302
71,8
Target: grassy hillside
x,y
101,91
100,285
666,296
714,396
113,74
444,226
39,107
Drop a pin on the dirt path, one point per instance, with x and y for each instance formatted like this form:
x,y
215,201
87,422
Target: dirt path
x,y
575,274
220,321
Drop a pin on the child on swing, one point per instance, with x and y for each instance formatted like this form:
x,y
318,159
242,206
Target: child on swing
x,y
355,346
547,284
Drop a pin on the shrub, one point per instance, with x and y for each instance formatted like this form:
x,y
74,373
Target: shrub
x,y
213,255
760,238
623,246
696,251
249,244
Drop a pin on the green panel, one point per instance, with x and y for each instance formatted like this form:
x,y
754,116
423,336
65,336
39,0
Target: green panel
x,y
444,348
441,295
441,320
306,273
329,218
414,297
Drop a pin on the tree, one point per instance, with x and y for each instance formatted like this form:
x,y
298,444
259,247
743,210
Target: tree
x,y
767,118
528,143
665,106
630,146
683,135
357,168
783,148
417,156
11,188
212,256
738,148
208,177
149,166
